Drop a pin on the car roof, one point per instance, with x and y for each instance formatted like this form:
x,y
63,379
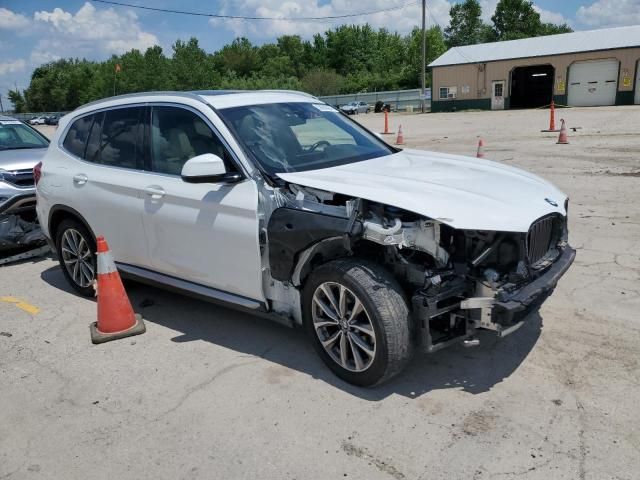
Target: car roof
x,y
216,98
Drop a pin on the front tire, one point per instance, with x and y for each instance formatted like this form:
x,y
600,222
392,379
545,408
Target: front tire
x,y
76,251
358,320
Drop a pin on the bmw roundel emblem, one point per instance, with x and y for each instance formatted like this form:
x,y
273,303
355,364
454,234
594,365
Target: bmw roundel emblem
x,y
550,202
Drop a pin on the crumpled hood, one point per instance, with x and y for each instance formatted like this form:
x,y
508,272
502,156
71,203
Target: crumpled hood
x,y
463,192
21,159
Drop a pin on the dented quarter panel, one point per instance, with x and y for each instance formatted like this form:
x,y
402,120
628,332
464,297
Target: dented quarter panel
x,y
462,192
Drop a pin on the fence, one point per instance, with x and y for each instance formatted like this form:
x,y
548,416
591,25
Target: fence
x,y
398,99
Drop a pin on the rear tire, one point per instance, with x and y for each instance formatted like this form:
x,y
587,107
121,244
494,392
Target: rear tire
x,y
363,334
76,251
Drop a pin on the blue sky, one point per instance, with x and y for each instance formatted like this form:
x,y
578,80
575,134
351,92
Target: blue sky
x,y
33,32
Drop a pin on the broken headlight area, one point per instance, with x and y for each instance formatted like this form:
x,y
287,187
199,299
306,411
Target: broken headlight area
x,y
456,280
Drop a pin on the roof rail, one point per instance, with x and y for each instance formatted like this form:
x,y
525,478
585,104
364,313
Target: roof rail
x,y
191,95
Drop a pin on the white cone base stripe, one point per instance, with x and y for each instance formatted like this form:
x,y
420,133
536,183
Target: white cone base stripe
x,y
106,263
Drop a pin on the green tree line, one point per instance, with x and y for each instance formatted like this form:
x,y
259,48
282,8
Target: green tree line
x,y
346,59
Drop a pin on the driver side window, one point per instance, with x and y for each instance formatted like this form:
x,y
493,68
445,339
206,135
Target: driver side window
x,y
178,135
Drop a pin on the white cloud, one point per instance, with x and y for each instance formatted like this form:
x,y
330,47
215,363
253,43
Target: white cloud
x,y
610,13
12,21
488,9
12,66
89,32
547,16
401,20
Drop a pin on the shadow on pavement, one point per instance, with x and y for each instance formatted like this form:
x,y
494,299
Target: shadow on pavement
x,y
474,370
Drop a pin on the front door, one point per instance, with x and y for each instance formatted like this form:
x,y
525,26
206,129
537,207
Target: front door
x,y
205,233
497,95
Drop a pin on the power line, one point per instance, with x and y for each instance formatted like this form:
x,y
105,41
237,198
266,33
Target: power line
x,y
243,17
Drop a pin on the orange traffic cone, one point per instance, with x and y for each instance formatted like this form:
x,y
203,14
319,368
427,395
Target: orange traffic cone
x,y
115,314
552,118
480,153
386,123
400,138
562,138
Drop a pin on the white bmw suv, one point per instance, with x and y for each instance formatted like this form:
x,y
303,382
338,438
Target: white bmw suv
x,y
277,203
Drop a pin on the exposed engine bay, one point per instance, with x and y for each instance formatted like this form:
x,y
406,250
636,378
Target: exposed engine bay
x,y
456,280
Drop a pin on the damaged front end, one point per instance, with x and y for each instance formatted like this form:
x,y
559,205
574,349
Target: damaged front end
x,y
457,281
19,228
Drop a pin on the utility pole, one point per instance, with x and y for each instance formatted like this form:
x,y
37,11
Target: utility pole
x,y
1,107
424,51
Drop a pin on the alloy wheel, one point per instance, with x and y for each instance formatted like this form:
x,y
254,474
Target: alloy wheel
x,y
343,326
77,257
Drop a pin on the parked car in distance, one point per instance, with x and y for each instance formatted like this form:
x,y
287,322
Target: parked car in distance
x,y
352,108
38,121
275,203
52,119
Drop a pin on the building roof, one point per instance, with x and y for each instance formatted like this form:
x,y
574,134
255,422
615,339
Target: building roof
x,y
585,41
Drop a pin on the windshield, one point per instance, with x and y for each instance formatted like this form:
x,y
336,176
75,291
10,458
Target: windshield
x,y
292,137
15,135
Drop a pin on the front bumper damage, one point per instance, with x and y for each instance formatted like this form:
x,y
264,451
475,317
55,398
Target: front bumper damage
x,y
503,312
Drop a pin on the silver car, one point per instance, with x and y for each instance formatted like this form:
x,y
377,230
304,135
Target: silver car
x,y
21,148
352,108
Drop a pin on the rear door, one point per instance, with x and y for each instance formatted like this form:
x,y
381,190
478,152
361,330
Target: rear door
x,y
106,177
204,233
497,95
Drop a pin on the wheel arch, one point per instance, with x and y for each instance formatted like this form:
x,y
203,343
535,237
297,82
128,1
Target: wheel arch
x,y
59,213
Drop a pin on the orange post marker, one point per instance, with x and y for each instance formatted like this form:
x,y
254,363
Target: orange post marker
x,y
552,118
386,123
116,318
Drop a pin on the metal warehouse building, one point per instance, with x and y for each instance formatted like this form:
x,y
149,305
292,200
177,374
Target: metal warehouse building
x,y
597,67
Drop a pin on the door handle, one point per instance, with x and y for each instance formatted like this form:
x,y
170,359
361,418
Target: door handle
x,y
80,179
154,192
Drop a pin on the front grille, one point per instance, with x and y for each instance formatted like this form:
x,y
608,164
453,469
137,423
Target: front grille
x,y
19,178
540,238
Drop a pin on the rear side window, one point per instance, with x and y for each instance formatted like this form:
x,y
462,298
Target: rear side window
x,y
92,152
120,142
76,138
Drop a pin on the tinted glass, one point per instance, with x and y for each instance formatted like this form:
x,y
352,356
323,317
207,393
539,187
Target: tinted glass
x,y
77,135
92,152
178,135
291,137
121,137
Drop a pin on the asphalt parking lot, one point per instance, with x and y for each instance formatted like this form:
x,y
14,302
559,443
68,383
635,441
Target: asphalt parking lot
x,y
211,393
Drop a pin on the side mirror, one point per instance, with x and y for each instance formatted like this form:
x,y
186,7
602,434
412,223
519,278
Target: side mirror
x,y
208,168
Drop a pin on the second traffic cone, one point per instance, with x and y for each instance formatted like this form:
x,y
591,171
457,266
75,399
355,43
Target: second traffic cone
x,y
480,153
400,138
115,314
562,138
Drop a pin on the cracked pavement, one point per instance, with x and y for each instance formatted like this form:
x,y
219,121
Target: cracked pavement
x,y
208,392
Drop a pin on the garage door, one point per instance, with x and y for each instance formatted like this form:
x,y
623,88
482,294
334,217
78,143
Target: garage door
x,y
593,83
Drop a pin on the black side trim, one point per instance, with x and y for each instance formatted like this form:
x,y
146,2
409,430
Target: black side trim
x,y
290,231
